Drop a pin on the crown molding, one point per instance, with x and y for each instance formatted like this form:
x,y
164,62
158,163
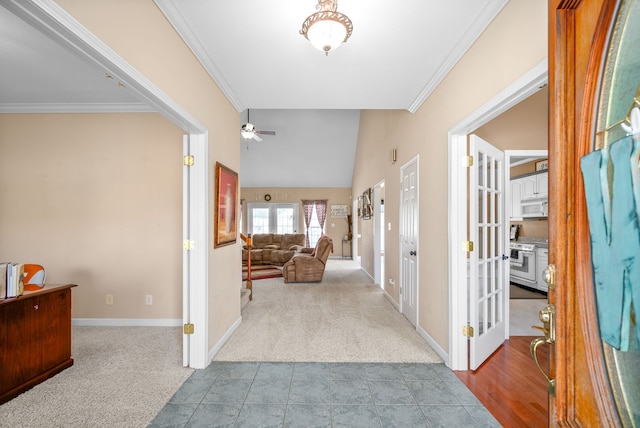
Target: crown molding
x,y
56,23
471,35
182,27
77,108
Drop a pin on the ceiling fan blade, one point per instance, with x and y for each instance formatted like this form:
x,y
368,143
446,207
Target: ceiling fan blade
x,y
255,137
265,132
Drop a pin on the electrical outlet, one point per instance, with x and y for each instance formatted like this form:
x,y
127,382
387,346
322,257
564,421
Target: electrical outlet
x,y
109,299
149,299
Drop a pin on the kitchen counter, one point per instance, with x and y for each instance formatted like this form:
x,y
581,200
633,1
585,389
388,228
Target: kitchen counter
x,y
539,242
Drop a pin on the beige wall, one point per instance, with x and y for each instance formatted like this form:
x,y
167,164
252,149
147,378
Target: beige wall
x,y
336,228
523,127
514,43
140,34
97,200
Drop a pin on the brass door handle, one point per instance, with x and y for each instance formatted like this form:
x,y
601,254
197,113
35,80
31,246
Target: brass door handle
x,y
547,316
551,383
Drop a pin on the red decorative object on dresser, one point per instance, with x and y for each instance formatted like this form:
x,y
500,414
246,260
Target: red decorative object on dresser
x,y
35,338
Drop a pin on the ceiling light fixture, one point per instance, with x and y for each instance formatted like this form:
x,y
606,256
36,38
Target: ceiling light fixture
x,y
327,29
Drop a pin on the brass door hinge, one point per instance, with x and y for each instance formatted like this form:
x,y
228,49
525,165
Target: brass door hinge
x,y
467,246
188,160
188,329
469,161
467,331
187,244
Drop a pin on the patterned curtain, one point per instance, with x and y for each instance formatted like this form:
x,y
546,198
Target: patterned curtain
x,y
307,209
321,212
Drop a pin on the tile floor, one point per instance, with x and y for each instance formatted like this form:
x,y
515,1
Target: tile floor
x,y
242,394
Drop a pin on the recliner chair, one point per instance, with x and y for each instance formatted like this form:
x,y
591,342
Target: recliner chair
x,y
309,267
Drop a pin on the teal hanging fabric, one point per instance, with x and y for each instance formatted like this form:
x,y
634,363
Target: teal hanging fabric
x,y
614,227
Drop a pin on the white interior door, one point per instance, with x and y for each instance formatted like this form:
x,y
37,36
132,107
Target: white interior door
x,y
409,241
377,241
487,265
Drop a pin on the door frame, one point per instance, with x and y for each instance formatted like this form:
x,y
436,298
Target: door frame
x,y
56,23
518,91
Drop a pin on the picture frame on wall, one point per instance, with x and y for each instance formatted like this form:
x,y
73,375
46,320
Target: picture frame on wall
x,y
226,202
367,207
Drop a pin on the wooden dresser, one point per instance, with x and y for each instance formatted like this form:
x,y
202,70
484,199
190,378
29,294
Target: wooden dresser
x,y
35,338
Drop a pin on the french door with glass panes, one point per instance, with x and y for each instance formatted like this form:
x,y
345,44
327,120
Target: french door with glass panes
x,y
272,218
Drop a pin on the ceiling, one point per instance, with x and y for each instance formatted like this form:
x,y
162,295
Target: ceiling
x,y
398,53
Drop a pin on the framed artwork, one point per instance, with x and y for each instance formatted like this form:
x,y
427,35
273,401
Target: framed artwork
x,y
338,211
225,228
367,207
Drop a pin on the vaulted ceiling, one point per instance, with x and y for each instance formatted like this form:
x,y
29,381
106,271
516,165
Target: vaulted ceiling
x,y
398,53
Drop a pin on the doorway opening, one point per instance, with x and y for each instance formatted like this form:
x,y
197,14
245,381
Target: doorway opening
x,y
520,90
378,234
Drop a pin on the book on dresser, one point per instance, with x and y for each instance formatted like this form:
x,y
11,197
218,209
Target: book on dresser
x,y
11,279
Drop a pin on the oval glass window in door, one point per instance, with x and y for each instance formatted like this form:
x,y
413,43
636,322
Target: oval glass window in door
x,y
618,140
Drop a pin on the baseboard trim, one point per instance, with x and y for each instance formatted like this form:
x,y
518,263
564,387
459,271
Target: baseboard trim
x,y
441,352
218,346
390,299
127,322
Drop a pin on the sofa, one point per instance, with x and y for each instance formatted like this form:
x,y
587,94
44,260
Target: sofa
x,y
309,267
274,248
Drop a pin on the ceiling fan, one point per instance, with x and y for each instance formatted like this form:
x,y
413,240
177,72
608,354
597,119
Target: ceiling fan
x,y
248,131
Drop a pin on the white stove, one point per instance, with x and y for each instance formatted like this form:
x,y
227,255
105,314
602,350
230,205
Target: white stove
x,y
522,246
522,261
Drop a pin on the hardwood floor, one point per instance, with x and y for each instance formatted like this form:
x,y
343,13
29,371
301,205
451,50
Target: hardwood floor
x,y
510,385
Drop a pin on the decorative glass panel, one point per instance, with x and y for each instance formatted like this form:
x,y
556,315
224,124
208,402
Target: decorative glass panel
x,y
619,95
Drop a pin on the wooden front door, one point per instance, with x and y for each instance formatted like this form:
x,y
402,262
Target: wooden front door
x,y
578,31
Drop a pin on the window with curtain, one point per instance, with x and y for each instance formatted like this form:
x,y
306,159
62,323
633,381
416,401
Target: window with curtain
x,y
315,215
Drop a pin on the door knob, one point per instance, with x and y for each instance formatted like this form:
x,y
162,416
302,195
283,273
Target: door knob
x,y
412,253
505,257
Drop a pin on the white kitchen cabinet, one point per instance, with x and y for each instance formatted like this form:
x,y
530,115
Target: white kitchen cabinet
x,y
535,186
542,262
542,184
516,199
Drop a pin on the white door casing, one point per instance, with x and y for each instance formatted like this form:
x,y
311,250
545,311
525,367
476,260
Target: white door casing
x,y
409,216
519,90
196,288
487,264
186,286
53,20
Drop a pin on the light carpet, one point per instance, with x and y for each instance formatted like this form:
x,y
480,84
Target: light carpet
x,y
121,377
344,318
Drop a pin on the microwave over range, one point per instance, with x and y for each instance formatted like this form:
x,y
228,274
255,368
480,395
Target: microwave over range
x,y
535,208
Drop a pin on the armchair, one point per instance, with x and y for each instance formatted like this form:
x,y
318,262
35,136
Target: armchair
x,y
309,267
